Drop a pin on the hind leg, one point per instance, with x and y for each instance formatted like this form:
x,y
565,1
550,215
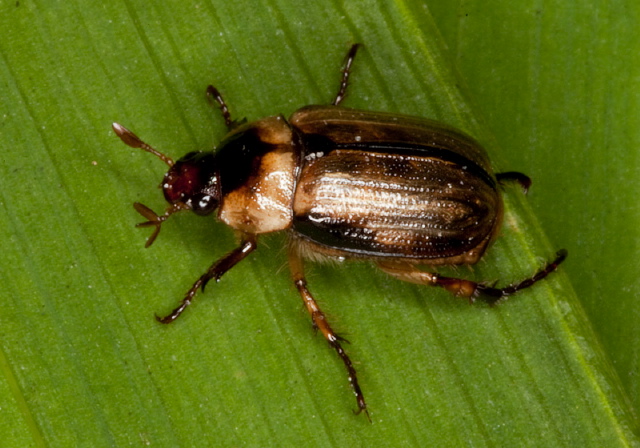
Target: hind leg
x,y
467,288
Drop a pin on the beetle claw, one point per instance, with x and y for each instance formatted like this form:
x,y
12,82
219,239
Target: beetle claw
x,y
362,407
341,339
206,281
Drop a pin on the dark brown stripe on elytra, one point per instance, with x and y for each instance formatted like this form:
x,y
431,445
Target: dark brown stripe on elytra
x,y
320,145
362,241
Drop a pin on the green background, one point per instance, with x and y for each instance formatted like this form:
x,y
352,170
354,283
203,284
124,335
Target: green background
x,y
549,89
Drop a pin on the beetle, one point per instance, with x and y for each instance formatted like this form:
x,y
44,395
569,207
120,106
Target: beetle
x,y
400,191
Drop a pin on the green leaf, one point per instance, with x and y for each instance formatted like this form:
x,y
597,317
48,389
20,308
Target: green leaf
x,y
85,363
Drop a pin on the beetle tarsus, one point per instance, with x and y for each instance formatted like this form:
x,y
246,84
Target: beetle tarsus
x,y
175,313
346,72
214,95
492,295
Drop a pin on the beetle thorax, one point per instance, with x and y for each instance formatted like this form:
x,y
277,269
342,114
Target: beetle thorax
x,y
258,165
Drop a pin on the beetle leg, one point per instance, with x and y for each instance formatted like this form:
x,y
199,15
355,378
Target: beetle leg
x,y
214,95
320,323
346,72
492,295
408,272
216,271
511,176
467,288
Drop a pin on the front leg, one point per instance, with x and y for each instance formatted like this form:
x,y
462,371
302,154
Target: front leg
x,y
214,95
320,323
216,271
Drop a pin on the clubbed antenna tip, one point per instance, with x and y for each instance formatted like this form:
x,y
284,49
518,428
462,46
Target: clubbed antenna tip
x,y
131,139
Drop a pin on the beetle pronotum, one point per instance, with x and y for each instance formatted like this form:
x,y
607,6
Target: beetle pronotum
x,y
397,190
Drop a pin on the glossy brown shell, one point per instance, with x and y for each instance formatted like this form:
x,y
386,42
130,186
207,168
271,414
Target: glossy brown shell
x,y
390,186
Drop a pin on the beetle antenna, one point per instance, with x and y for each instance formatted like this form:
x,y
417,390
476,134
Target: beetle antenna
x,y
131,139
153,219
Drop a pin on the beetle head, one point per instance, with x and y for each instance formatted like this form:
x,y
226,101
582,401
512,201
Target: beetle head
x,y
192,183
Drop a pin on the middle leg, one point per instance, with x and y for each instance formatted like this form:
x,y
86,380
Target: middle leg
x,y
320,323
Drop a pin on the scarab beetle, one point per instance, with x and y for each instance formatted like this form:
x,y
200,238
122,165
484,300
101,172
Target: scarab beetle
x,y
397,190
